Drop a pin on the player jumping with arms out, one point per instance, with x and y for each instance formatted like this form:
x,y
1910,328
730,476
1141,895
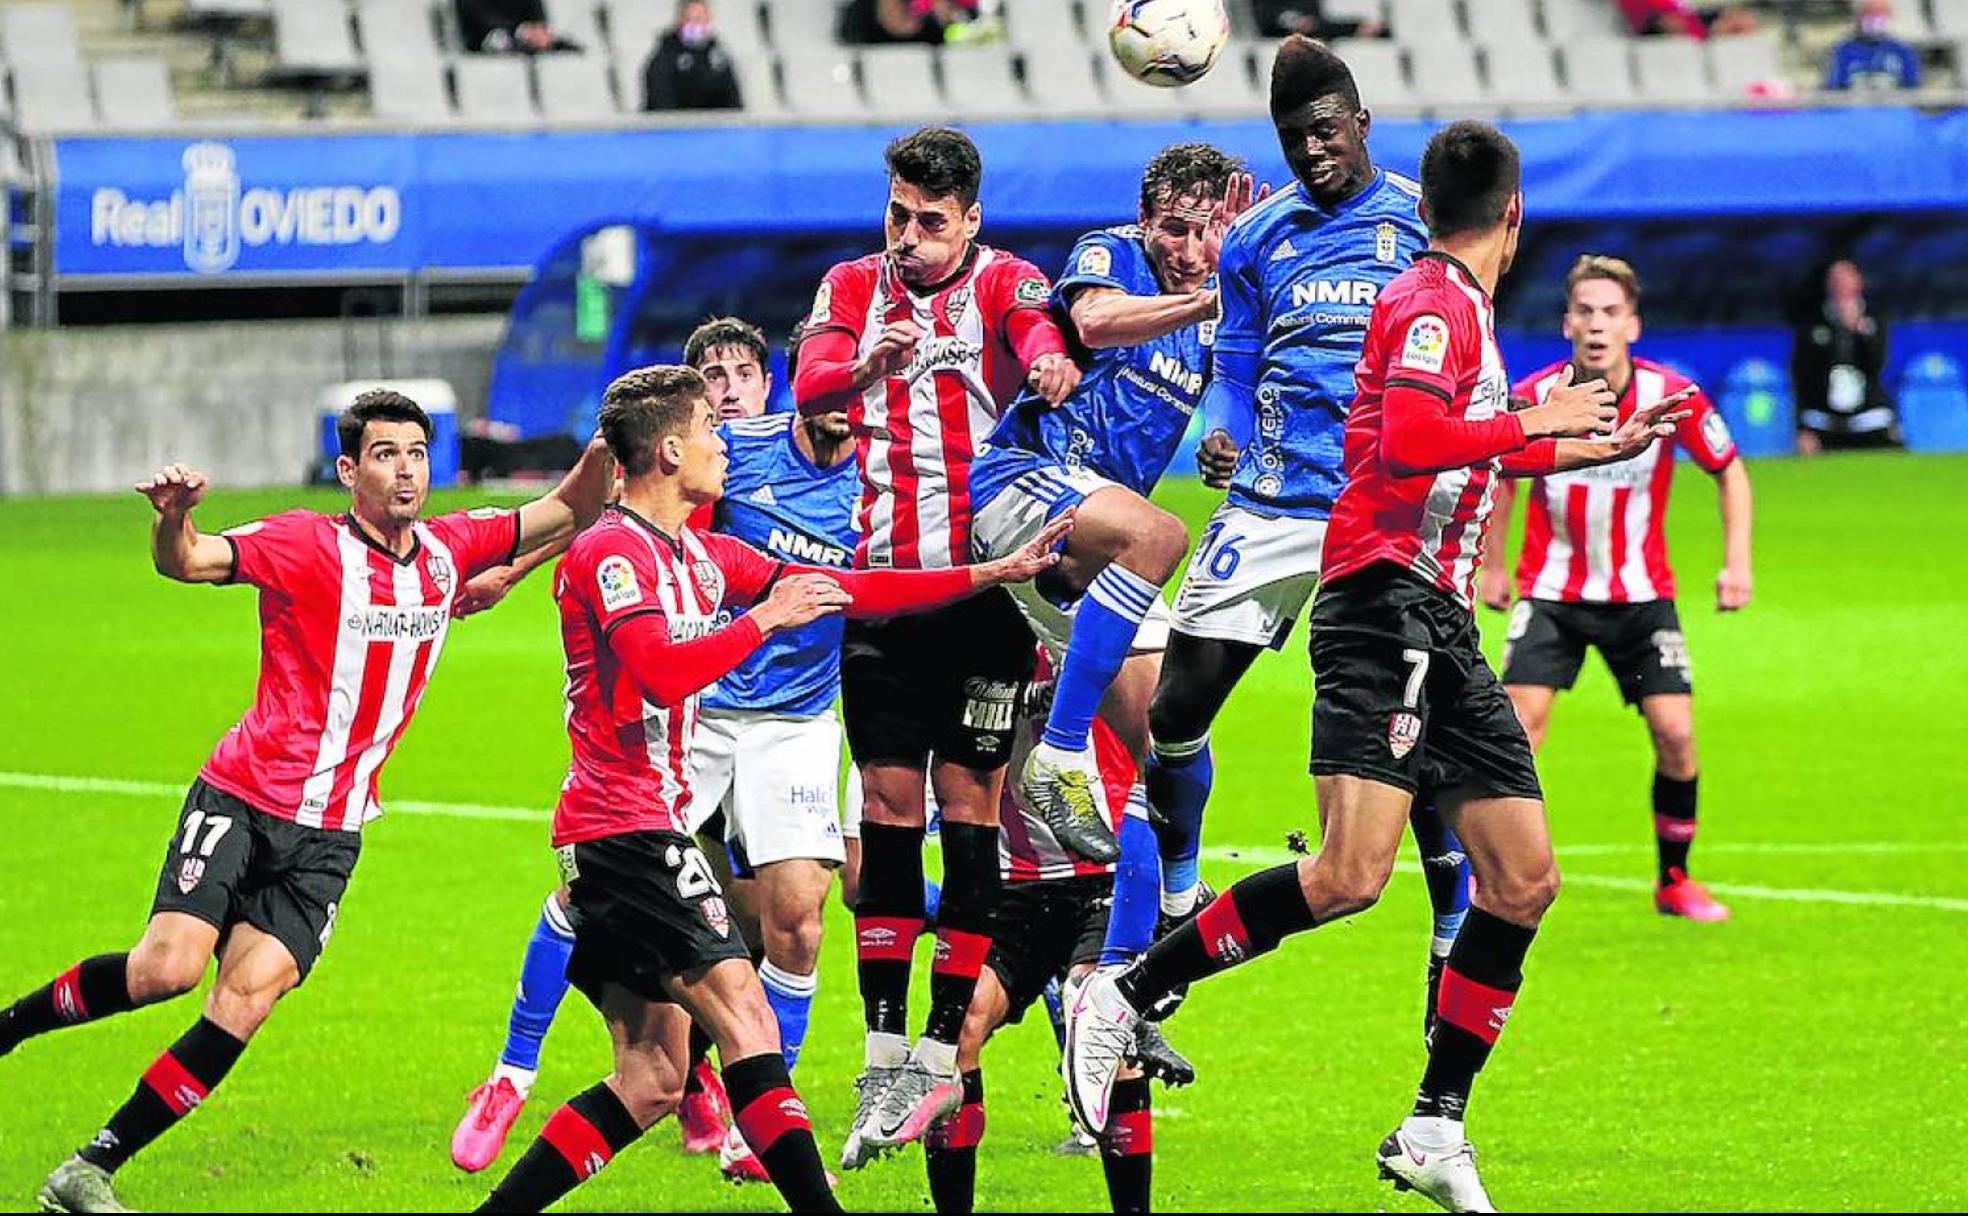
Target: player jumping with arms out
x,y
640,595
1300,272
1137,304
1594,569
1406,699
354,609
923,345
732,357
1048,926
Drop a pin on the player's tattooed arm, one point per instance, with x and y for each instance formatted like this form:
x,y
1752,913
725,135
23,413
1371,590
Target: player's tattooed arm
x,y
177,548
1106,317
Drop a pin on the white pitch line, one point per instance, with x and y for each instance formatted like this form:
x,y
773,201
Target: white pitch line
x,y
1941,903
52,783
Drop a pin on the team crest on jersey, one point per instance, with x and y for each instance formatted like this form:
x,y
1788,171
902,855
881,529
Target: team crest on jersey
x,y
1403,732
1097,260
440,572
190,873
616,578
1031,291
956,304
705,574
1384,246
823,305
717,915
1427,345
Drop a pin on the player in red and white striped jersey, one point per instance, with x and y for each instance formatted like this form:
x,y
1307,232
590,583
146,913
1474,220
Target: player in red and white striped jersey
x,y
639,595
1049,925
924,345
1594,570
1406,699
354,609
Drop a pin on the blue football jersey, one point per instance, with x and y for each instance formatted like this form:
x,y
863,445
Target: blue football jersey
x,y
1299,283
1128,415
780,503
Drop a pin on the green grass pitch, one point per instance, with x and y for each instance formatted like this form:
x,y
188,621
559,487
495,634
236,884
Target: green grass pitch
x,y
1808,1055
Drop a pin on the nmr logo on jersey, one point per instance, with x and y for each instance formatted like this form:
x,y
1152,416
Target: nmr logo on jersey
x,y
790,545
1358,293
215,216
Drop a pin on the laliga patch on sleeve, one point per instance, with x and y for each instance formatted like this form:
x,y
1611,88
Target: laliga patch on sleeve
x,y
1427,345
617,580
1032,291
1097,261
1715,433
823,304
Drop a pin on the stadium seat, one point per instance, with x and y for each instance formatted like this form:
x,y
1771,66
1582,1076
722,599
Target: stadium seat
x,y
803,27
1741,60
900,82
1445,75
1497,22
758,86
575,21
980,79
1671,69
1228,91
1757,403
1129,97
1037,22
1060,78
493,88
1376,66
41,32
408,89
635,25
401,29
198,11
1567,21
574,88
738,24
132,93
1598,70
52,95
1950,19
820,83
1523,72
1933,401
312,38
1422,22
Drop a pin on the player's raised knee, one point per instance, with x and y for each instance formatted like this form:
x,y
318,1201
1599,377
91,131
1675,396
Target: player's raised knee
x,y
160,970
1344,888
1522,898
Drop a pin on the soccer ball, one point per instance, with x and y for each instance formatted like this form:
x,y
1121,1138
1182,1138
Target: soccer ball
x,y
1167,43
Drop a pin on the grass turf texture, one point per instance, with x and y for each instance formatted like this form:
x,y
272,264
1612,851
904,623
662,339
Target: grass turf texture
x,y
1799,1057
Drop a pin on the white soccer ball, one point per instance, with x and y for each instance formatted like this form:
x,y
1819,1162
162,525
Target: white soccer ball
x,y
1167,43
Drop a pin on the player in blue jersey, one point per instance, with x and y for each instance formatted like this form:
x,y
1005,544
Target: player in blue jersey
x,y
1298,278
1137,303
789,491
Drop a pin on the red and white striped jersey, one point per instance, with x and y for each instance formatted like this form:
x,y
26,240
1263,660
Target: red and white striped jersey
x,y
349,635
917,431
631,759
1595,535
1027,849
1433,328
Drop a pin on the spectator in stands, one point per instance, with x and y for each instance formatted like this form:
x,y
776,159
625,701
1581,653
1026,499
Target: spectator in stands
x,y
1837,356
1872,58
936,21
1681,17
689,69
1280,18
498,27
